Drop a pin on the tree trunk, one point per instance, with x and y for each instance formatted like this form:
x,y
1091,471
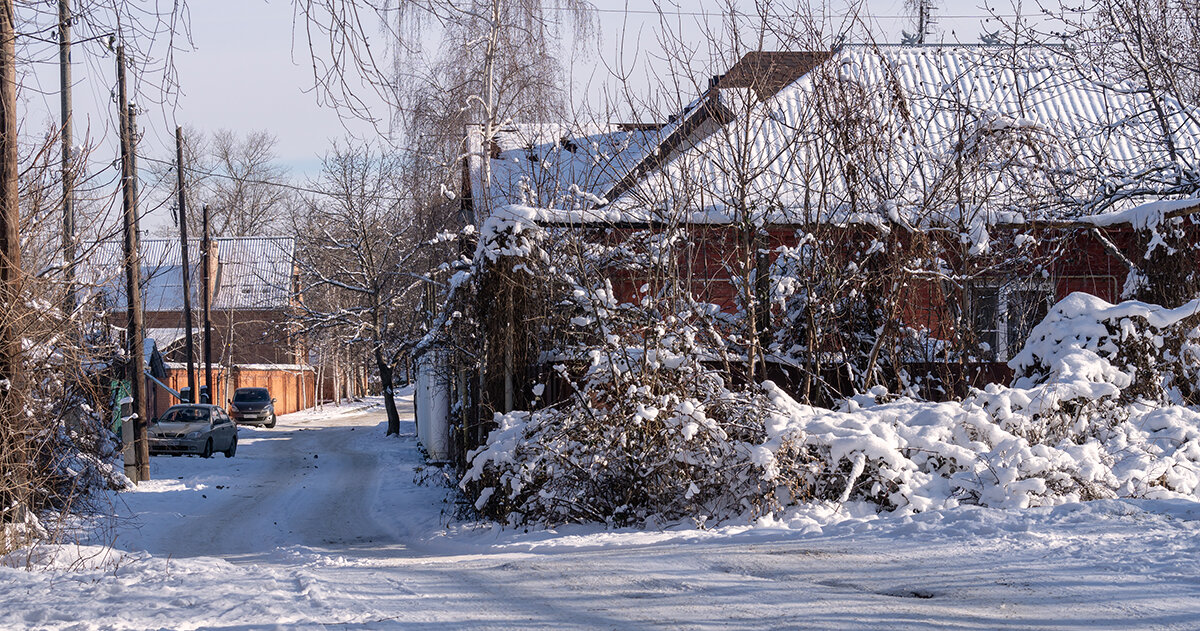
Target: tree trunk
x,y
389,397
14,461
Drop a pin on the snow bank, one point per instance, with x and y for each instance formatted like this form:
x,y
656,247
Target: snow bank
x,y
1095,412
911,456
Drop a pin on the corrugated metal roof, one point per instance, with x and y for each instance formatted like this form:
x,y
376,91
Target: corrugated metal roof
x,y
253,273
929,103
256,273
562,166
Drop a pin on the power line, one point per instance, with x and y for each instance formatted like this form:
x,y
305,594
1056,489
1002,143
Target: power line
x,y
869,16
294,187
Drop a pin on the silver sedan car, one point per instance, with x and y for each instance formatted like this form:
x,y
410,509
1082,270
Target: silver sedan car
x,y
193,429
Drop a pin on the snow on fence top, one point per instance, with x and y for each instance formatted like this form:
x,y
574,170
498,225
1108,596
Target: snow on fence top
x,y
1148,215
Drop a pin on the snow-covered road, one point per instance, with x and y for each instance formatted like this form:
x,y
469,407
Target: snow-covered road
x,y
323,523
308,482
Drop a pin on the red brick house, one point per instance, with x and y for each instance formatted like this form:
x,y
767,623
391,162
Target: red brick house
x,y
1011,176
253,288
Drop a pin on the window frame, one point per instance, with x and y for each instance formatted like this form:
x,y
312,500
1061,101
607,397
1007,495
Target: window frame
x,y
1005,291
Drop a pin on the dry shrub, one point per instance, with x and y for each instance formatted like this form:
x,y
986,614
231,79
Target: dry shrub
x,y
56,450
644,438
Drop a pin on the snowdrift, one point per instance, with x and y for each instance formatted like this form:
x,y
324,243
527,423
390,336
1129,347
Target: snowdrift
x,y
1102,407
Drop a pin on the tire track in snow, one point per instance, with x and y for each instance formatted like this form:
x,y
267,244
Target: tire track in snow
x,y
290,486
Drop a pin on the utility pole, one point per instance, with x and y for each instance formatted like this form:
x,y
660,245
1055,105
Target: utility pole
x,y
205,246
10,240
187,269
923,13
68,175
143,421
137,455
924,20
131,116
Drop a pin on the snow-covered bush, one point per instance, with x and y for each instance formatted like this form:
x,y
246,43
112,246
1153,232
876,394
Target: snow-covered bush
x,y
657,436
646,436
58,451
912,456
1087,349
1088,416
650,419
831,291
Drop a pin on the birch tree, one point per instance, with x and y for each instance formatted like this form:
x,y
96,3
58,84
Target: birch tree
x,y
360,249
496,62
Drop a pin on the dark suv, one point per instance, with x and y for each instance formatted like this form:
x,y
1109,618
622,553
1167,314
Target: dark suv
x,y
252,406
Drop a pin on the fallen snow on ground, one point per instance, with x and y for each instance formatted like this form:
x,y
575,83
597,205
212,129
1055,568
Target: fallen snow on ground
x,y
323,523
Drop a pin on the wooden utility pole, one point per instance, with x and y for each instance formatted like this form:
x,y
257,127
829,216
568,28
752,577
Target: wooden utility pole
x,y
205,246
68,175
137,459
187,269
10,242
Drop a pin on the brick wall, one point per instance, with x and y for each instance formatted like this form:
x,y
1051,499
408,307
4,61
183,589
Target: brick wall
x,y
238,337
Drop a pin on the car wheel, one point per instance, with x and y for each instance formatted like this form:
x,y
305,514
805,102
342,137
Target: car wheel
x,y
272,423
232,448
207,453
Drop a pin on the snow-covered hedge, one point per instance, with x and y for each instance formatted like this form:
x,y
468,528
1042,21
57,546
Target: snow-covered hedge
x,y
646,436
1094,412
1124,352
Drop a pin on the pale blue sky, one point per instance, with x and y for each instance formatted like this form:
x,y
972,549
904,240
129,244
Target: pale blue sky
x,y
245,73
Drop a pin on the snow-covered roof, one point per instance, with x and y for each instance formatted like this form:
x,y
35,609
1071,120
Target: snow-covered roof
x,y
553,165
252,273
1036,122
164,337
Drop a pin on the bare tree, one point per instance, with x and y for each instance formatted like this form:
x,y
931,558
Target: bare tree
x,y
361,249
59,451
55,446
238,177
245,194
1146,53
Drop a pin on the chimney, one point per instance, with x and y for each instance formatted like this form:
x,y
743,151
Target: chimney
x,y
214,259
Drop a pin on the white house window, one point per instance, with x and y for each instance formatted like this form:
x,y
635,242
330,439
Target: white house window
x,y
1003,315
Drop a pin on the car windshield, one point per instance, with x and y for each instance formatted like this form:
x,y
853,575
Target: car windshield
x,y
185,415
251,396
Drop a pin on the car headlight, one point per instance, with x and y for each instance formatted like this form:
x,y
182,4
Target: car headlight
x,y
195,434
234,408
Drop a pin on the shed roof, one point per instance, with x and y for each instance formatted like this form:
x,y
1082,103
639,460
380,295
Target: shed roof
x,y
565,166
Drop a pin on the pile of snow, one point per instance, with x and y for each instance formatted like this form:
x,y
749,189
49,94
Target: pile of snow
x,y
910,456
1090,349
1089,416
1094,413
